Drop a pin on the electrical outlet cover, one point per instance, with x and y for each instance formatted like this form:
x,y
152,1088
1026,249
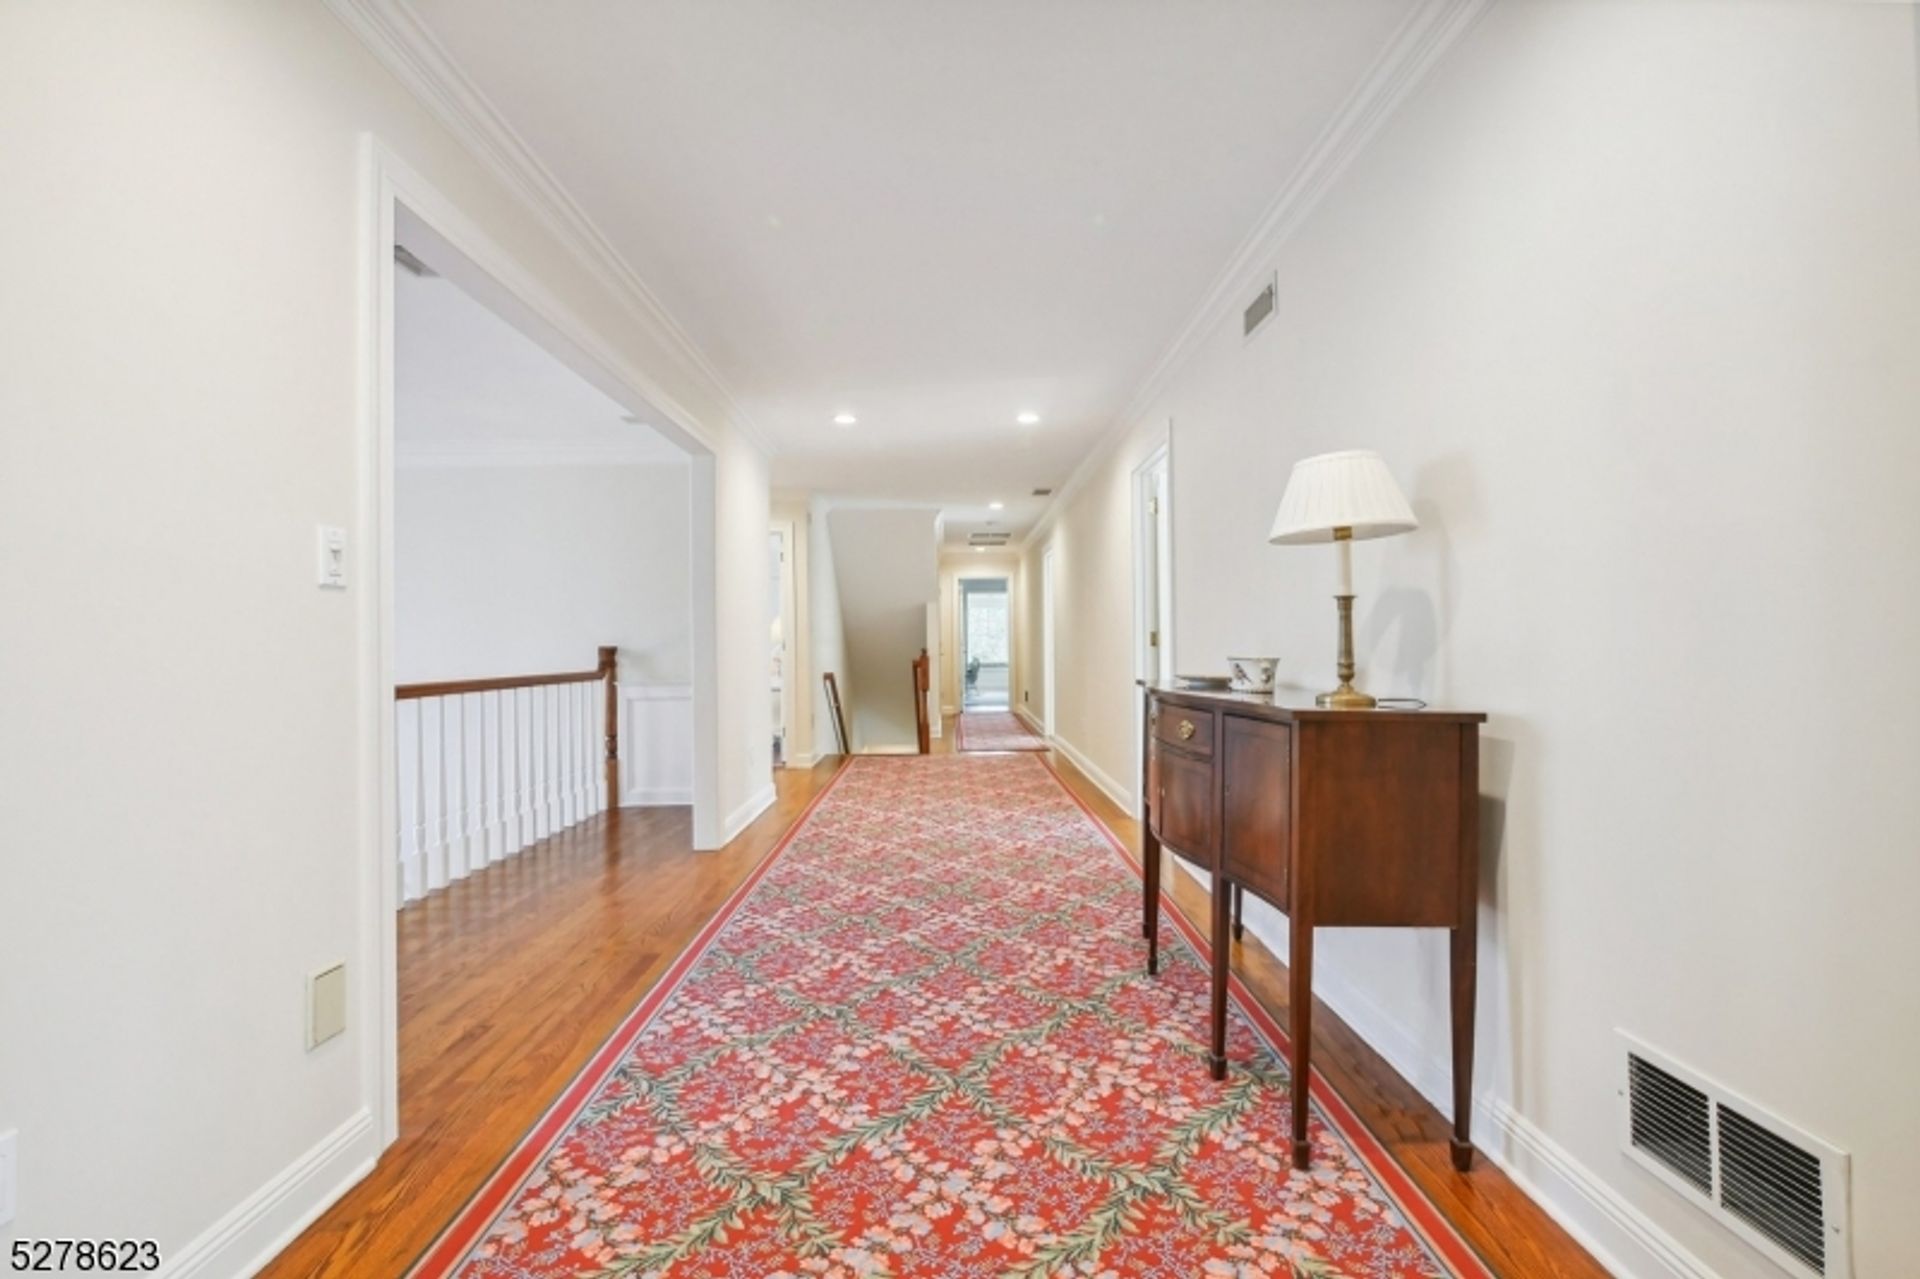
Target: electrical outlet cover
x,y
326,1005
8,1163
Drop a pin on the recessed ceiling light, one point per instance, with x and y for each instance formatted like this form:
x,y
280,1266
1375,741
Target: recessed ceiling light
x,y
996,506
844,419
979,550
1028,419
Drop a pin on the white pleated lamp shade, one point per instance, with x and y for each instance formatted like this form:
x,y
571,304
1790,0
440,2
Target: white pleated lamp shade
x,y
1351,489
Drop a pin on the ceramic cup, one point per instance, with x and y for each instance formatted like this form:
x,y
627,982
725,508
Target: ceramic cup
x,y
1252,674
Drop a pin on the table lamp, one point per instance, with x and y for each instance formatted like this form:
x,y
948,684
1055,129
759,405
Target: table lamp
x,y
1341,498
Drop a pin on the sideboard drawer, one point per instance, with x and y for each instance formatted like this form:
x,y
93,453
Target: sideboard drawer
x,y
1184,806
1184,729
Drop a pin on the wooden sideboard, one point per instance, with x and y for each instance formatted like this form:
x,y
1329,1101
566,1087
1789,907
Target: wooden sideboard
x,y
1338,818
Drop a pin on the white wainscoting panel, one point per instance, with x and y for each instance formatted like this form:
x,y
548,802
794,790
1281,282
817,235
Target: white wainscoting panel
x,y
656,744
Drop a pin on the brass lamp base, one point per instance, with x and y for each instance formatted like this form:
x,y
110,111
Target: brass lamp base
x,y
1346,697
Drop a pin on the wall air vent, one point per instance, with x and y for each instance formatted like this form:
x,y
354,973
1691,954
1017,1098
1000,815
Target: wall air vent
x,y
1260,310
1043,492
988,539
1782,1191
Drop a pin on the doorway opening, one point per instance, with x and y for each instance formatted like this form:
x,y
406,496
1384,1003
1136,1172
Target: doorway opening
x,y
1047,642
985,644
780,582
1152,582
499,760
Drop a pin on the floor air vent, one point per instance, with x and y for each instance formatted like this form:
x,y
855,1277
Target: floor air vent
x,y
1781,1190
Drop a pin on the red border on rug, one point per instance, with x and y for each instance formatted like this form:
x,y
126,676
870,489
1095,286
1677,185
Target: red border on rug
x,y
1419,1209
464,1231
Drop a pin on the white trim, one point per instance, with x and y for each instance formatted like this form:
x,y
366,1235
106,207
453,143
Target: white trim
x,y
742,817
656,692
254,1232
409,51
1121,795
802,761
657,797
787,529
1423,38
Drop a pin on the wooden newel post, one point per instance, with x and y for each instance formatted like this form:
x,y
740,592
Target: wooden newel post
x,y
609,672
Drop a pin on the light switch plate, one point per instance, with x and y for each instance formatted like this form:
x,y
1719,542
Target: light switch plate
x,y
330,546
8,1164
326,1005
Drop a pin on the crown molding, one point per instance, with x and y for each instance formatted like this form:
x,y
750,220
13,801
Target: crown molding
x,y
1428,32
446,456
1416,48
415,57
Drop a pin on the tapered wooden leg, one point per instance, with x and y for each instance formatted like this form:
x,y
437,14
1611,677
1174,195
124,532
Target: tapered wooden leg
x,y
1239,912
1150,850
1300,1027
1465,987
1222,924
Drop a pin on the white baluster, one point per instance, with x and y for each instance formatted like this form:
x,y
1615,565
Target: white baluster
x,y
437,863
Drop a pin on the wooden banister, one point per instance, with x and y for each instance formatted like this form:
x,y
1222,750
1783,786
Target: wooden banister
x,y
837,711
607,670
498,763
455,687
610,671
922,720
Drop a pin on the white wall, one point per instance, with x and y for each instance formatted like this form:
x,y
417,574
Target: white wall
x,y
826,635
505,570
886,565
181,802
1629,296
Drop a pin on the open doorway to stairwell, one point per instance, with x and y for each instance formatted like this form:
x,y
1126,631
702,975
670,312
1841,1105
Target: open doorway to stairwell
x,y
539,593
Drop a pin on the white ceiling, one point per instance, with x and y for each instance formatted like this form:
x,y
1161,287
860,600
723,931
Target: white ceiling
x,y
932,214
469,387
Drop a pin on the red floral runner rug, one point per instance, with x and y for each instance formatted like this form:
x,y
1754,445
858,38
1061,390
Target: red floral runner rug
x,y
995,731
920,1041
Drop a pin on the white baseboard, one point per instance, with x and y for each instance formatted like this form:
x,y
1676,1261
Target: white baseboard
x,y
802,761
251,1235
1621,1237
742,817
1119,794
656,797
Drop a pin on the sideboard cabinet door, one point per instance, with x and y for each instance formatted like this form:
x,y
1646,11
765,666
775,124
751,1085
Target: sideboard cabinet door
x,y
1257,759
1185,806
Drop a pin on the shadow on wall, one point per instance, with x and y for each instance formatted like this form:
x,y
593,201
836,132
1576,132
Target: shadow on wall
x,y
1417,618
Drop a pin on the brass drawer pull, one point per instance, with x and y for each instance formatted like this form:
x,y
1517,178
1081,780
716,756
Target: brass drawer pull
x,y
1186,729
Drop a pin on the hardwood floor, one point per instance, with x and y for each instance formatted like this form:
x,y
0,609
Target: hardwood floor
x,y
510,979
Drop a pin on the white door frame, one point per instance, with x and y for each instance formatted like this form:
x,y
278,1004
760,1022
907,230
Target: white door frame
x,y
789,701
961,577
1047,664
1152,584
395,195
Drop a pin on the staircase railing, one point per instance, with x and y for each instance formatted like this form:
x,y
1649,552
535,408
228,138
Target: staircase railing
x,y
489,766
922,719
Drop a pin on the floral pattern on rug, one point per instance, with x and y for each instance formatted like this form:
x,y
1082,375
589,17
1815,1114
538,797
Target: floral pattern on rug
x,y
995,731
924,1045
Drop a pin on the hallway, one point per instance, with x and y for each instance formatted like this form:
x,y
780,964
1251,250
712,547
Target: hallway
x,y
514,978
